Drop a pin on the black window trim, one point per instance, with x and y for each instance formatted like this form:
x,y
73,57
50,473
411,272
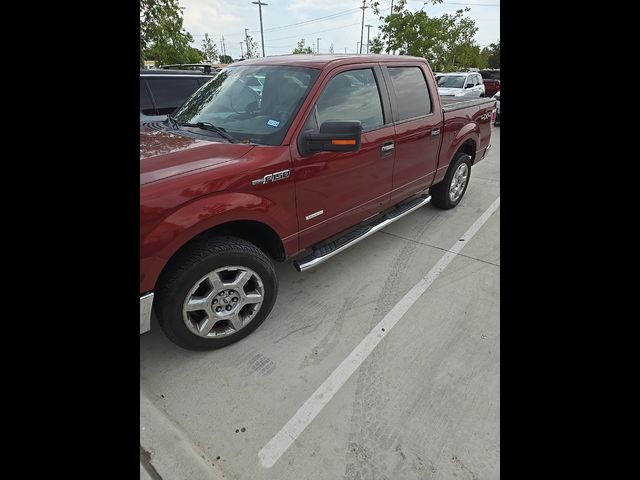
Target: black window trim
x,y
392,92
385,103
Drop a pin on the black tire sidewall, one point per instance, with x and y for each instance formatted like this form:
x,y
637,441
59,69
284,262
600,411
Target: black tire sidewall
x,y
172,296
441,193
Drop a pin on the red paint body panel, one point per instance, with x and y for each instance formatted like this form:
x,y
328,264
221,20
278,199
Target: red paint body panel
x,y
188,185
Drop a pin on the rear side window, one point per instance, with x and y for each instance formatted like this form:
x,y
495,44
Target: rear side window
x,y
351,95
146,105
170,93
412,94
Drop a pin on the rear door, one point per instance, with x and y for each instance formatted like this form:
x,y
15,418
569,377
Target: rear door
x,y
417,126
336,190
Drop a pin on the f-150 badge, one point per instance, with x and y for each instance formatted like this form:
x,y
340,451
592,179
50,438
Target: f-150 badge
x,y
272,177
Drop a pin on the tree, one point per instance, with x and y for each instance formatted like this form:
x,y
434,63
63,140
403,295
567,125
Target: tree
x,y
494,55
331,48
162,36
441,40
252,47
301,48
377,45
226,59
209,49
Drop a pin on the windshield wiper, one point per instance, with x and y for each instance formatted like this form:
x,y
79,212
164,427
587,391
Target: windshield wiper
x,y
212,128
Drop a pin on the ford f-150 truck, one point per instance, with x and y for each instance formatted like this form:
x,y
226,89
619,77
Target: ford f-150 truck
x,y
289,158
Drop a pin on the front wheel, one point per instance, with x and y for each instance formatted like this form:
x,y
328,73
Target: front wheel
x,y
215,292
448,193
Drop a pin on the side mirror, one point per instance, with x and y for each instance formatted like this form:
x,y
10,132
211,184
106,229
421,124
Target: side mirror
x,y
333,137
470,85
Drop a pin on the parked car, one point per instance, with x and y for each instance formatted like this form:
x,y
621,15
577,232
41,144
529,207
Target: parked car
x,y
332,150
497,97
460,84
491,81
162,91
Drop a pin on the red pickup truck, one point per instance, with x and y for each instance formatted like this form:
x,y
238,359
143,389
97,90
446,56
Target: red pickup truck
x,y
289,158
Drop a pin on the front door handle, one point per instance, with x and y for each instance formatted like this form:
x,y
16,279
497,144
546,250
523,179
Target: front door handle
x,y
435,132
387,147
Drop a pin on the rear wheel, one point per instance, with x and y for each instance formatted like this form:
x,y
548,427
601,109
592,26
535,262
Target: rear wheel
x,y
215,293
448,193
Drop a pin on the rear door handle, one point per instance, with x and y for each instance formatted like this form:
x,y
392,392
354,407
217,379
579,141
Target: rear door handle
x,y
387,147
435,132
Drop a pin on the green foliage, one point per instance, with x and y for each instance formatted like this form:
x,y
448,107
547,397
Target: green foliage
x,y
446,41
252,47
209,49
377,45
494,55
226,59
301,48
162,36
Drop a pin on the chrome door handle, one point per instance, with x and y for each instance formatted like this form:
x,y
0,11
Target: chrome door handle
x,y
435,132
387,147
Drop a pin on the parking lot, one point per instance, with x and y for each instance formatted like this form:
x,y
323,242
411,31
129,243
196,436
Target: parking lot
x,y
424,404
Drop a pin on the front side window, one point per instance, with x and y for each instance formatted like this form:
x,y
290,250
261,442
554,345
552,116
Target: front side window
x,y
349,96
412,94
253,104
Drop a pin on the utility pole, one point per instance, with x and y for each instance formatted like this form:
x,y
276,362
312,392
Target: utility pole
x,y
318,45
368,28
260,4
390,35
357,46
246,40
224,51
241,51
363,7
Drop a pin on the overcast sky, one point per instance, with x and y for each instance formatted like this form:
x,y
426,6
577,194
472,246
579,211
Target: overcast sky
x,y
342,27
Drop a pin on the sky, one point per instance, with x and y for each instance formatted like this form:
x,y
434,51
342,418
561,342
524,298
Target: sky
x,y
336,22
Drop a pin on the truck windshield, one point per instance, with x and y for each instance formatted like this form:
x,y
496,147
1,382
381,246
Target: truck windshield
x,y
451,81
253,104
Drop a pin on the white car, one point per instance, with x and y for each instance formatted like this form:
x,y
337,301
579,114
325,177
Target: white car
x,y
497,97
460,84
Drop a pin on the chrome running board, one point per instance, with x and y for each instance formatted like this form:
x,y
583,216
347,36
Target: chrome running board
x,y
325,252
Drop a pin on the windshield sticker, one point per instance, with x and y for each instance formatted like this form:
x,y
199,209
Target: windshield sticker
x,y
273,123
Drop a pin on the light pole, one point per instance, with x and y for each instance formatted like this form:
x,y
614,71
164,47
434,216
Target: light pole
x,y
368,28
363,7
241,51
318,45
260,4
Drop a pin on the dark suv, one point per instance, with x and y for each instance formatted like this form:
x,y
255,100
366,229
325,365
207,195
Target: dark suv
x,y
162,91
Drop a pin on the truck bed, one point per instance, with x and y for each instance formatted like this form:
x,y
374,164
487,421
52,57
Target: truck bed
x,y
450,104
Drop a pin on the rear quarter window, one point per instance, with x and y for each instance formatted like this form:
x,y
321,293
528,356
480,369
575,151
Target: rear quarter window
x,y
146,105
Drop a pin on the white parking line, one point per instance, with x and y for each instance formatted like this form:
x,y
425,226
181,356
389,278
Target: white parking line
x,y
273,450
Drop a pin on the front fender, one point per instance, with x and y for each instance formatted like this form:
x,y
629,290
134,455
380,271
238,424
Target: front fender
x,y
183,224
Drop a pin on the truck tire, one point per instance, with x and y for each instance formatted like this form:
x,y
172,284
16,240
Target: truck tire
x,y
448,193
215,292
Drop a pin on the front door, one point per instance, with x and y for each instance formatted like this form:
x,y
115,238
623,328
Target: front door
x,y
336,190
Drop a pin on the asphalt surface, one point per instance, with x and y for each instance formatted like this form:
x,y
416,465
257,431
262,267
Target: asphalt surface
x,y
424,404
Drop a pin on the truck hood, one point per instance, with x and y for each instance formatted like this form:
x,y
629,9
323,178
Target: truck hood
x,y
164,154
450,91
